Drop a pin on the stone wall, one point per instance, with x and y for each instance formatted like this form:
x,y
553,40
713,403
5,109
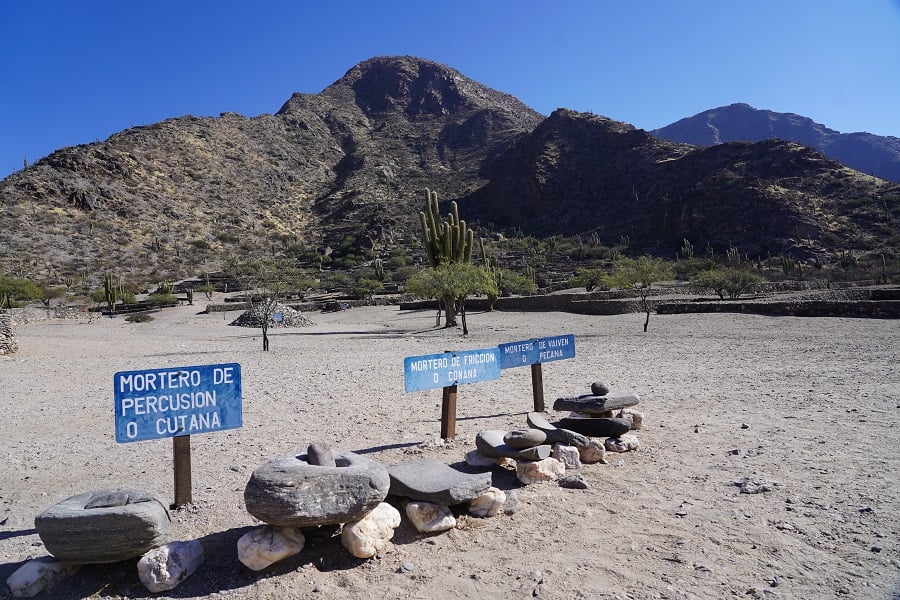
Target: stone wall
x,y
8,344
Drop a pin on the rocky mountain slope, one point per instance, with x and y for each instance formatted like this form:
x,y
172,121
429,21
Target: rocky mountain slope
x,y
341,169
342,173
579,173
873,154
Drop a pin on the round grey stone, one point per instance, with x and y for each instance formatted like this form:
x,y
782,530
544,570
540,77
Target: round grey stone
x,y
291,492
524,438
599,388
103,526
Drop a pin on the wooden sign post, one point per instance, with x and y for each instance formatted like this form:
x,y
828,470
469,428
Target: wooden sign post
x,y
181,451
535,352
176,402
446,371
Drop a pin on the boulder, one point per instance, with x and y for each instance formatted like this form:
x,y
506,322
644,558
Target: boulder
x,y
590,403
370,535
490,443
38,575
489,504
596,427
568,456
595,452
165,567
540,471
103,526
428,517
554,434
266,545
291,492
636,418
433,481
623,443
575,481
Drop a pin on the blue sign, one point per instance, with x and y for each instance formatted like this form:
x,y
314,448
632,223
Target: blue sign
x,y
160,403
451,368
540,350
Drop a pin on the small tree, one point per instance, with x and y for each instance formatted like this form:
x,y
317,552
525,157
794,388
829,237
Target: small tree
x,y
639,274
366,288
731,281
455,280
14,290
267,282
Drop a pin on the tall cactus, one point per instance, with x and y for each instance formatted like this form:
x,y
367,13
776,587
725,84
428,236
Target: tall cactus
x,y
447,240
110,290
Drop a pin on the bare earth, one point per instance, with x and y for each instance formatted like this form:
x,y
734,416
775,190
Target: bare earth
x,y
810,404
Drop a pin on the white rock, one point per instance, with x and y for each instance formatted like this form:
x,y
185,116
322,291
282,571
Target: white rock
x,y
568,456
476,459
428,517
38,575
266,545
536,471
636,417
165,567
594,452
489,504
371,534
623,443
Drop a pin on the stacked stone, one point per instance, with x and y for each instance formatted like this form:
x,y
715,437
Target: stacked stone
x,y
8,343
603,413
316,494
430,488
107,526
288,318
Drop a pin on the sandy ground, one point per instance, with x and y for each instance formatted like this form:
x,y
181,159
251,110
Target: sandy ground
x,y
809,404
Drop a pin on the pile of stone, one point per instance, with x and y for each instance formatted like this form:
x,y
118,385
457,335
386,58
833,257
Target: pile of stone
x,y
279,316
555,452
8,343
318,492
429,488
107,526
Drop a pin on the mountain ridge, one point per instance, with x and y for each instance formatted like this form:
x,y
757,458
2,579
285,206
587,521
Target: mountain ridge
x,y
340,174
866,152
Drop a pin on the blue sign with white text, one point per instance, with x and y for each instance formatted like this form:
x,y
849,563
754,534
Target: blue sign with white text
x,y
173,401
451,368
540,350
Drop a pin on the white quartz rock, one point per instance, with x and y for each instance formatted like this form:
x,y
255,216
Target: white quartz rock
x,y
165,567
266,545
489,504
371,534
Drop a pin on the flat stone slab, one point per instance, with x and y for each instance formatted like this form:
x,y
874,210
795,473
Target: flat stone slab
x,y
554,434
290,492
432,481
490,443
596,427
103,526
590,403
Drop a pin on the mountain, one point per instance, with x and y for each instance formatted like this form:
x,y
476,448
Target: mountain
x,y
578,173
874,154
334,171
341,173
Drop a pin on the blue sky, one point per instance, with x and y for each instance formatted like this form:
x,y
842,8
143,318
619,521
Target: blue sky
x,y
76,71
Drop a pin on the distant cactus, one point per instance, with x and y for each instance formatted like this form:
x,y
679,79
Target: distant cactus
x,y
379,269
687,250
447,240
110,290
190,296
